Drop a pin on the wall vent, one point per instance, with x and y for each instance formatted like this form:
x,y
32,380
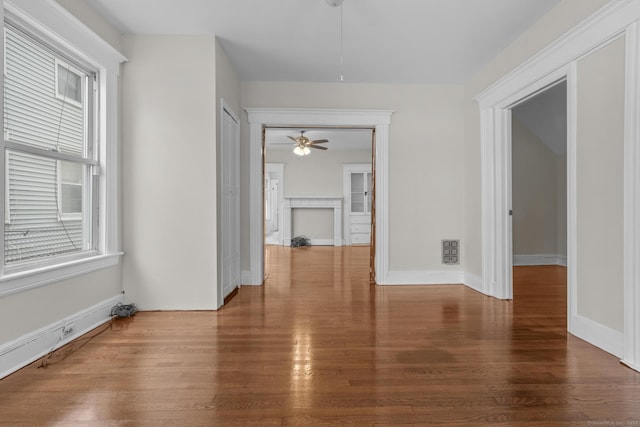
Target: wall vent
x,y
451,251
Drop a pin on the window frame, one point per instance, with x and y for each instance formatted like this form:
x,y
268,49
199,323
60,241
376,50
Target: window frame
x,y
70,69
51,22
70,216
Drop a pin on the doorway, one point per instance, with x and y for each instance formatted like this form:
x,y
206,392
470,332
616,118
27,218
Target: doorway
x,y
539,197
262,118
539,178
311,187
273,200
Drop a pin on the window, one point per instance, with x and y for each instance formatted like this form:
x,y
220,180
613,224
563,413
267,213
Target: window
x,y
50,151
60,148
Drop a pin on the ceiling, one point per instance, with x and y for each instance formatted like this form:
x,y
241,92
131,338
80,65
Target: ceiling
x,y
384,41
545,115
339,139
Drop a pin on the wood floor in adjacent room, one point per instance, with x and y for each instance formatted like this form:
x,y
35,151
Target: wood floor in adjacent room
x,y
317,346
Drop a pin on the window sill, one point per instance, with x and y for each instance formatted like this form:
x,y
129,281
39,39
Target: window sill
x,y
25,280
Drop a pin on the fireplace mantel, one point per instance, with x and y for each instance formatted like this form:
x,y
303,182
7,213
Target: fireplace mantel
x,y
312,202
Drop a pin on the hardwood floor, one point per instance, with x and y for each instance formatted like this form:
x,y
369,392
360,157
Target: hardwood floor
x,y
316,345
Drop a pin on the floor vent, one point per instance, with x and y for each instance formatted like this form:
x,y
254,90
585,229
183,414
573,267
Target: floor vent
x,y
451,251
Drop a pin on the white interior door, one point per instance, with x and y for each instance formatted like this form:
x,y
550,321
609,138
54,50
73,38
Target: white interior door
x,y
230,211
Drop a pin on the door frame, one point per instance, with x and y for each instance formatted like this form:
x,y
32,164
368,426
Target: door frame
x,y
260,118
278,169
558,60
347,169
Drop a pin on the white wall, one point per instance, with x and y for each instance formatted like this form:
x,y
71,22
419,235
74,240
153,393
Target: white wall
x,y
534,194
169,171
91,18
426,176
600,154
318,174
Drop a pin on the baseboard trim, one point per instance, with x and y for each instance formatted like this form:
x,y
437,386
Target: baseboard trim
x,y
595,333
423,278
245,277
28,348
540,259
474,282
631,365
321,242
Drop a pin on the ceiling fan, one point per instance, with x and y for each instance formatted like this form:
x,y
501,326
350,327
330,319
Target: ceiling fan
x,y
303,143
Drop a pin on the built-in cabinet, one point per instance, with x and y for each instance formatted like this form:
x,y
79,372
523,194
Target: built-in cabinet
x,y
358,198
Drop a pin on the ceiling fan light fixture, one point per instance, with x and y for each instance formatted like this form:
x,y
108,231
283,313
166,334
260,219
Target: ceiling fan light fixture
x,y
334,3
301,150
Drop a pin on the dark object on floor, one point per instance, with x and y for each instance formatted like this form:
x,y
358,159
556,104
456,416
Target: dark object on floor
x,y
124,310
299,241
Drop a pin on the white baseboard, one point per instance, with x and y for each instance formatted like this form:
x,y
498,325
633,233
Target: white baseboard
x,y
540,259
595,333
423,278
631,365
474,282
245,278
32,346
321,242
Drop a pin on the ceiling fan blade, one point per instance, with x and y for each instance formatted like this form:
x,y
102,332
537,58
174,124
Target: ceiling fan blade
x,y
319,141
317,147
292,138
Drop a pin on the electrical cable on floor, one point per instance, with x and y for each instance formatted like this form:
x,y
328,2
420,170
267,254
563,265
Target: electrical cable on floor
x,y
46,359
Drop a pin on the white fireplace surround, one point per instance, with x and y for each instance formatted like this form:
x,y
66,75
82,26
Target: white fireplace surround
x,y
312,202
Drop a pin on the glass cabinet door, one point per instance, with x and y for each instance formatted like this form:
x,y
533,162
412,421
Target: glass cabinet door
x,y
360,192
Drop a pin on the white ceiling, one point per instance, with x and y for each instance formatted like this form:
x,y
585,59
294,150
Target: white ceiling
x,y
385,41
339,139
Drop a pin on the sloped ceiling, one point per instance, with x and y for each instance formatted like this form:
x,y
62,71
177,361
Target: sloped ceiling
x,y
545,115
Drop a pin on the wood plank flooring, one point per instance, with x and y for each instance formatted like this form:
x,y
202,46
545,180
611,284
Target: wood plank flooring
x,y
316,345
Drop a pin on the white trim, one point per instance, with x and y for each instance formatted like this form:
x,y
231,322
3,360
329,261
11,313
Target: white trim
x,y
631,221
52,22
434,277
473,281
290,203
259,117
246,277
601,336
585,37
540,259
551,64
34,278
572,191
322,242
32,346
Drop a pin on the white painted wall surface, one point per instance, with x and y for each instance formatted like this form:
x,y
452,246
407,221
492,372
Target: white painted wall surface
x,y
426,175
92,19
600,138
169,172
27,311
534,194
558,21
